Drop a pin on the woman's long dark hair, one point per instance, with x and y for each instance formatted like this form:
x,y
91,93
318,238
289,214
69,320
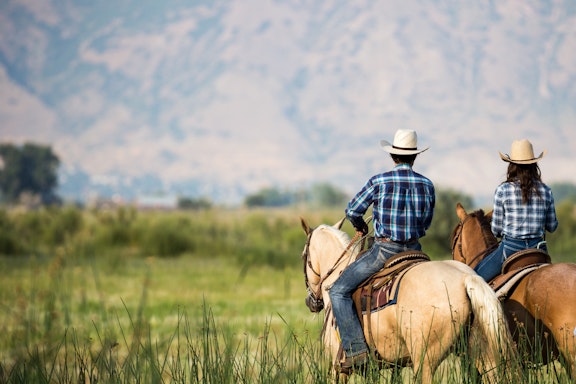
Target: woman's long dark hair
x,y
528,175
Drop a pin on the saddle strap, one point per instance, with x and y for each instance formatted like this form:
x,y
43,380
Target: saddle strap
x,y
371,342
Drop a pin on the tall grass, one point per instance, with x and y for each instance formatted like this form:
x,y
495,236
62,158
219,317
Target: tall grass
x,y
62,324
52,332
210,354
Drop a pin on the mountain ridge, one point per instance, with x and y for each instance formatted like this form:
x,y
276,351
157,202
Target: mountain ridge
x,y
222,99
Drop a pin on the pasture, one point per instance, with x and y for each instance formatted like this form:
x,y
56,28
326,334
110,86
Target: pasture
x,y
197,297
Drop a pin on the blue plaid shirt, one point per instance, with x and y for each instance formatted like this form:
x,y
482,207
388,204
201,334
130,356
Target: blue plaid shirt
x,y
513,219
403,203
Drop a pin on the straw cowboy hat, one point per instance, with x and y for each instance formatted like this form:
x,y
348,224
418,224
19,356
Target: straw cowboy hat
x,y
405,143
521,153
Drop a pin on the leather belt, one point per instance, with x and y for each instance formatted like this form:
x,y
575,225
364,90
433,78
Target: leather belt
x,y
388,240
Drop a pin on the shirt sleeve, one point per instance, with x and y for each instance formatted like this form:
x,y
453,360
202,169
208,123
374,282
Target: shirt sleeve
x,y
359,204
551,219
431,203
498,214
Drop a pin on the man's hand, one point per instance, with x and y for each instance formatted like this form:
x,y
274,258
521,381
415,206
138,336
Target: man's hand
x,y
359,224
364,228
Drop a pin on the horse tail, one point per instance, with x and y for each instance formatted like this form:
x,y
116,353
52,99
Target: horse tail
x,y
490,321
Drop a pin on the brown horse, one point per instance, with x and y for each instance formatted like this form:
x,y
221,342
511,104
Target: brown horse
x,y
540,305
437,302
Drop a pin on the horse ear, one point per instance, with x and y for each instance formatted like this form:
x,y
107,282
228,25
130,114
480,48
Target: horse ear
x,y
460,211
489,215
305,226
339,224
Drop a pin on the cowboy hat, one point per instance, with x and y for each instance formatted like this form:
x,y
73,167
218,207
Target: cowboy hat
x,y
521,153
405,143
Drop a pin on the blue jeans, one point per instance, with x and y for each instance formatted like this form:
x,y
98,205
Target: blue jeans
x,y
491,265
347,321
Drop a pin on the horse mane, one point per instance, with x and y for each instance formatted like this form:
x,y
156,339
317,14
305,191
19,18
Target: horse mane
x,y
484,222
342,236
482,218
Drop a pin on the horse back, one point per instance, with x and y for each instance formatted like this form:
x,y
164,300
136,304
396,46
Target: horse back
x,y
553,285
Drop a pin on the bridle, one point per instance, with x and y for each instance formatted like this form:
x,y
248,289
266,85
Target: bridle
x,y
457,242
314,300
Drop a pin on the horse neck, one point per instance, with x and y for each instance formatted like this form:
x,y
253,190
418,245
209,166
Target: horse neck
x,y
328,256
476,240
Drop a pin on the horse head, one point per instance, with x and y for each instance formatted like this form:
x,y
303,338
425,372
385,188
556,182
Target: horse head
x,y
472,238
322,246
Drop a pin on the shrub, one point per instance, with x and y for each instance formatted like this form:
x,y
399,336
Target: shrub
x,y
166,238
9,242
61,224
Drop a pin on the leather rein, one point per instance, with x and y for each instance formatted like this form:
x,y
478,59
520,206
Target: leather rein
x,y
317,295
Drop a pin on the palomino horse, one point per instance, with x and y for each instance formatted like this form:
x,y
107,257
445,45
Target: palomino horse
x,y
541,304
437,302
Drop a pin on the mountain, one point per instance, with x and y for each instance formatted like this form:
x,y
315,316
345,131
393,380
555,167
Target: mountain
x,y
223,98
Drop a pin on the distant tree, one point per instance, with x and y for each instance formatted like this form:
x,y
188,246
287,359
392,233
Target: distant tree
x,y
318,195
190,203
563,191
28,170
562,241
269,197
326,195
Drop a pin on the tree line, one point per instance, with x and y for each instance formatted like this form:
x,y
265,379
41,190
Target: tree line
x,y
32,170
30,173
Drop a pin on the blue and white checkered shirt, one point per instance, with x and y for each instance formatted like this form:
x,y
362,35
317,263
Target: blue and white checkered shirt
x,y
403,203
513,219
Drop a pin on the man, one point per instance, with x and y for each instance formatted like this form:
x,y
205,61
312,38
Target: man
x,y
403,205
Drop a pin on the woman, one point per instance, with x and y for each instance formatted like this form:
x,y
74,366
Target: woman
x,y
523,209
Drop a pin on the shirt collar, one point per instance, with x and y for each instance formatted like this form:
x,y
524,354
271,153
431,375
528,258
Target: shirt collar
x,y
402,166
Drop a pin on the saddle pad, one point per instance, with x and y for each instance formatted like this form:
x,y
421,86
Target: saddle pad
x,y
510,278
507,282
386,294
381,290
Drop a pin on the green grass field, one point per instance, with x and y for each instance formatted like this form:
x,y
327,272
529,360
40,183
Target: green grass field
x,y
182,320
111,301
58,314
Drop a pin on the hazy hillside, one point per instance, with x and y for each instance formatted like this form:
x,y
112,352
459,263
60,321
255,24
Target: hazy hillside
x,y
222,98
